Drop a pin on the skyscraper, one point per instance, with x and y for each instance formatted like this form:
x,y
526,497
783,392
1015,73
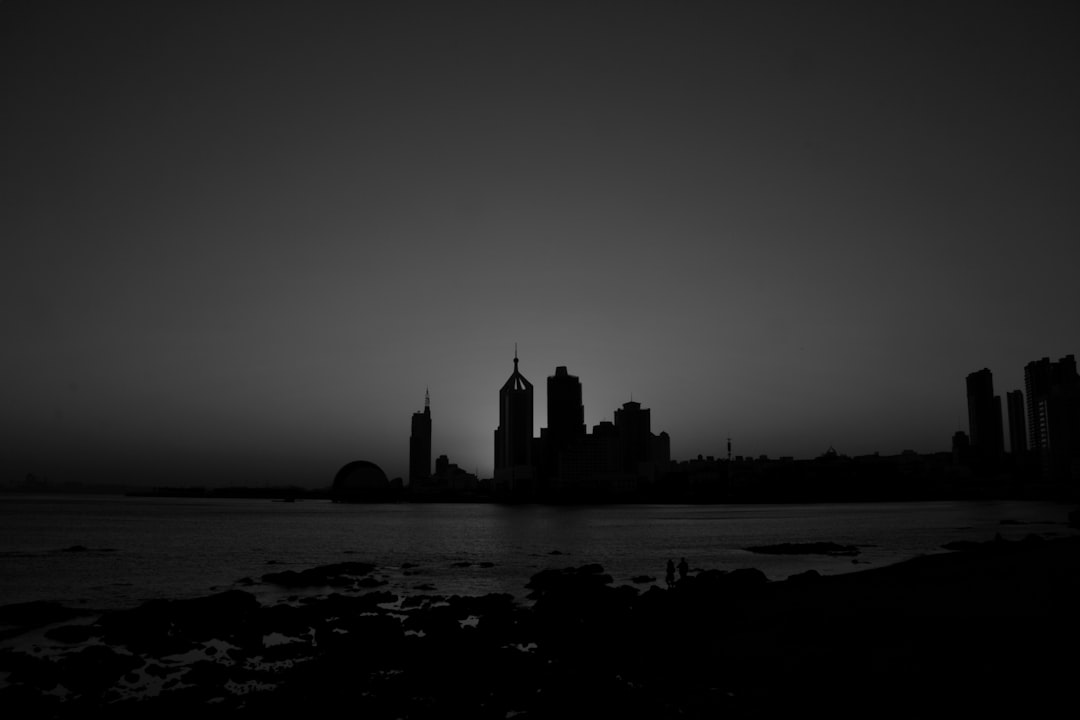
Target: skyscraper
x,y
565,417
1053,405
984,419
633,425
1017,434
420,444
513,437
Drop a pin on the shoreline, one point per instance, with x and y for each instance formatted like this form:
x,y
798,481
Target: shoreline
x,y
976,626
1000,491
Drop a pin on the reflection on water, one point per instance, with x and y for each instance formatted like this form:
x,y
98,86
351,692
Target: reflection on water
x,y
137,548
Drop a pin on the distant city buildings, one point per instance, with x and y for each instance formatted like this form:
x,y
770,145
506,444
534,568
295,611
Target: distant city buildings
x,y
984,419
1043,420
514,471
449,481
420,443
565,432
1014,402
566,462
1053,414
623,460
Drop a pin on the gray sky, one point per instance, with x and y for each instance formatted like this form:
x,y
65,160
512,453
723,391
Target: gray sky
x,y
241,239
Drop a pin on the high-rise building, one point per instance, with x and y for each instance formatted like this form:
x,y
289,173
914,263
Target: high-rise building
x,y
1017,433
633,425
514,436
1053,410
984,419
565,418
420,444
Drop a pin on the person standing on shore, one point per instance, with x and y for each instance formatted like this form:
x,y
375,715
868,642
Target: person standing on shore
x,y
670,573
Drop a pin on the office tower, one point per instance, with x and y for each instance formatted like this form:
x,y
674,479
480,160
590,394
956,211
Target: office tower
x,y
1053,410
420,443
1017,430
633,425
565,417
513,437
984,419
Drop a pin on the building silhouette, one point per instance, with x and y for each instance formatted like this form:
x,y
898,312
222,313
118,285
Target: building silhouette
x,y
984,420
633,425
1053,414
448,483
420,444
514,471
565,421
961,448
363,481
1014,402
567,463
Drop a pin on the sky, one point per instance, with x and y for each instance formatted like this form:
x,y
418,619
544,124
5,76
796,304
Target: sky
x,y
242,239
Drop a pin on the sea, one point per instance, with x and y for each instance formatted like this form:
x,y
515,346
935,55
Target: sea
x,y
114,552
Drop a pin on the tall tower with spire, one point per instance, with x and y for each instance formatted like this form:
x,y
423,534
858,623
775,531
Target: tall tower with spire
x,y
420,443
514,436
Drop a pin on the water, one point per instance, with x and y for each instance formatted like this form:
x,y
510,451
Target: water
x,y
141,548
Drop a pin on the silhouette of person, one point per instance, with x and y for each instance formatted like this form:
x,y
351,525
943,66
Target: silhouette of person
x,y
670,573
683,567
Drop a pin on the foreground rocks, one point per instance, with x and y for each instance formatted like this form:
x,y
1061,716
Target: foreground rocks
x,y
814,548
992,630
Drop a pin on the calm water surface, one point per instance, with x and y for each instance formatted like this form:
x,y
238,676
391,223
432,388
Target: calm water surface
x,y
140,548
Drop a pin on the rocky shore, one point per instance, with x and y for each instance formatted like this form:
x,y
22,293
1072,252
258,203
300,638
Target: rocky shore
x,y
991,628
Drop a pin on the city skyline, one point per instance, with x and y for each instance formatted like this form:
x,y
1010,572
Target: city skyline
x,y
244,242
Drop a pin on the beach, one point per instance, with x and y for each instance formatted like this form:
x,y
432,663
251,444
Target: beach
x,y
989,628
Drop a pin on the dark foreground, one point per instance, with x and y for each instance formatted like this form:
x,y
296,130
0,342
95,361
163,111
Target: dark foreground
x,y
990,629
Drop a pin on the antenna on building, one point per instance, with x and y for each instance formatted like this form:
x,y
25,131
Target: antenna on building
x,y
729,449
427,398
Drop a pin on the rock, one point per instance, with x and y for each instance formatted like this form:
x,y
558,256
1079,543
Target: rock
x,y
158,671
94,669
72,633
284,619
208,673
163,627
807,576
748,578
37,613
374,637
568,580
963,546
341,574
814,548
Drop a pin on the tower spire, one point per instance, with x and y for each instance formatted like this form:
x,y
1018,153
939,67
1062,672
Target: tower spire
x,y
427,398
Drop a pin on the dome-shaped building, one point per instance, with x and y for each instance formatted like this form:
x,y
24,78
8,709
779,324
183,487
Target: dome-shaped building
x,y
360,481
